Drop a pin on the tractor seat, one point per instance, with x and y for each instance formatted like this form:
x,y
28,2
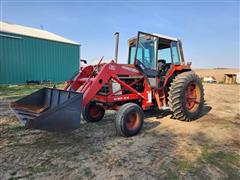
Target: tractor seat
x,y
161,64
163,67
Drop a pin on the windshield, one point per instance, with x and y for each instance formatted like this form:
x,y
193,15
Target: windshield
x,y
146,50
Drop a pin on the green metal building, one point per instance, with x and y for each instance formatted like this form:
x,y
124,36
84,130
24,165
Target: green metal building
x,y
29,54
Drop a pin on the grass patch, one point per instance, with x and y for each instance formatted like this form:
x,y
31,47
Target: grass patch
x,y
172,175
14,97
38,169
16,128
94,150
119,163
215,158
194,169
225,161
13,178
88,172
130,142
13,128
184,165
17,91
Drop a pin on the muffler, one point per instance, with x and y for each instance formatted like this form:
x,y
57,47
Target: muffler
x,y
50,109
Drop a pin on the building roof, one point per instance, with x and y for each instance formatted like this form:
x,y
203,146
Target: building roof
x,y
33,32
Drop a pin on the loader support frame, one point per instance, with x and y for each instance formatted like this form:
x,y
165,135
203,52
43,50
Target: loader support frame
x,y
107,75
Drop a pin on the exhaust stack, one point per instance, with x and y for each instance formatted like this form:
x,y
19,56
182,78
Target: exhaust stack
x,y
116,46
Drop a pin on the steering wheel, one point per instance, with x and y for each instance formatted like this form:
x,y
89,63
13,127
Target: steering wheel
x,y
142,65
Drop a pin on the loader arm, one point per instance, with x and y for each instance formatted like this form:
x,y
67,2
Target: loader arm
x,y
93,85
89,82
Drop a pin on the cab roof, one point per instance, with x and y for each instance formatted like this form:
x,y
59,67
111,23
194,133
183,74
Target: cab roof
x,y
158,35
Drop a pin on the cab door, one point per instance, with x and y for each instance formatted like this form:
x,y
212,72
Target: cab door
x,y
146,57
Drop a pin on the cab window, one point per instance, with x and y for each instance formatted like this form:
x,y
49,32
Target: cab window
x,y
165,54
175,54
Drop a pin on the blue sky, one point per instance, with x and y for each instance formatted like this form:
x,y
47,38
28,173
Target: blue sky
x,y
209,29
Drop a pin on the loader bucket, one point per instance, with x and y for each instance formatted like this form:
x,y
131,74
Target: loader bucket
x,y
50,109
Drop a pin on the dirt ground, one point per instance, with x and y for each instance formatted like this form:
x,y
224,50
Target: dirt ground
x,y
207,148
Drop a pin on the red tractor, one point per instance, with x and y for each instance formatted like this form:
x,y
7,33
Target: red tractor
x,y
155,76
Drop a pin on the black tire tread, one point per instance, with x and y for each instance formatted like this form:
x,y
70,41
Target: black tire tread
x,y
87,118
176,91
119,121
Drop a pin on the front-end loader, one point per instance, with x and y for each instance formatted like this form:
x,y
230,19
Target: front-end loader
x,y
156,75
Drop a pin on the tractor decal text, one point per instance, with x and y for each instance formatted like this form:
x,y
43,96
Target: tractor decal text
x,y
120,98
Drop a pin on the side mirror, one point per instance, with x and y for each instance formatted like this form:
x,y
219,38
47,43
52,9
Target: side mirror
x,y
189,63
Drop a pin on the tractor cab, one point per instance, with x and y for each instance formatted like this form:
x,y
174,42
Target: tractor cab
x,y
154,55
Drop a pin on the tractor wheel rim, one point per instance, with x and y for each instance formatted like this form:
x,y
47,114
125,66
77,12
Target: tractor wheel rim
x,y
192,97
95,111
133,121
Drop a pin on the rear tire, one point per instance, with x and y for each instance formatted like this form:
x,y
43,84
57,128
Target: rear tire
x,y
129,120
93,112
186,96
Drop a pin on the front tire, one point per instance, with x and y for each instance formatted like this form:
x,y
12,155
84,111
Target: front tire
x,y
129,120
186,96
93,112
